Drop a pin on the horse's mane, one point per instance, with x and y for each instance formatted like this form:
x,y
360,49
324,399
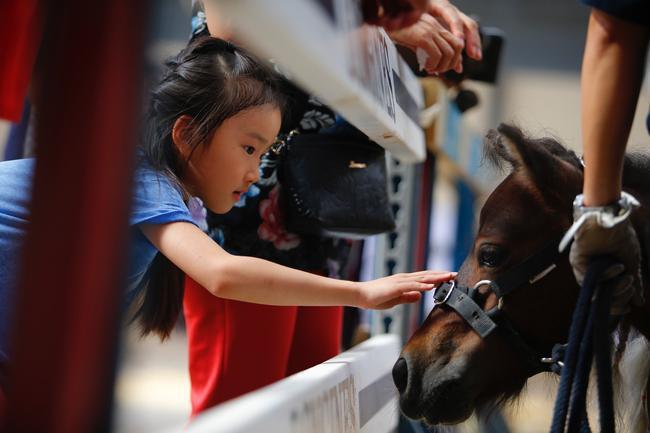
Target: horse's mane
x,y
636,170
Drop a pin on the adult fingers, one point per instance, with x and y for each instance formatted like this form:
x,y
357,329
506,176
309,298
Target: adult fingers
x,y
428,44
451,17
457,45
447,53
472,38
449,46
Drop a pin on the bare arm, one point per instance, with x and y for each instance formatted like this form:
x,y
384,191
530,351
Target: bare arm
x,y
255,280
612,72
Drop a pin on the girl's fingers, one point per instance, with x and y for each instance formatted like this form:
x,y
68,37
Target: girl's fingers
x,y
405,298
435,277
422,287
410,297
432,272
413,286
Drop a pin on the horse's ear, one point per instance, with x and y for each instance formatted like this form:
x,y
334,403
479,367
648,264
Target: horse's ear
x,y
535,157
523,153
498,149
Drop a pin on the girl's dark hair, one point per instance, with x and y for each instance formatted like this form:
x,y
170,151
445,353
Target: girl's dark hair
x,y
210,80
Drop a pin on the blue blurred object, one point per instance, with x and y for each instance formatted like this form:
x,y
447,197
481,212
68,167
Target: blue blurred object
x,y
15,148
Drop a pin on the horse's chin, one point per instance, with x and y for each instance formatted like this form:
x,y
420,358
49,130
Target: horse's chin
x,y
443,407
451,402
445,418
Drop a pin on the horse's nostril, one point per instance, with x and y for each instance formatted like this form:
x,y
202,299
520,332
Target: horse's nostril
x,y
400,374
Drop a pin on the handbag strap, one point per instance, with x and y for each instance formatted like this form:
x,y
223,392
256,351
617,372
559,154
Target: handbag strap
x,y
281,142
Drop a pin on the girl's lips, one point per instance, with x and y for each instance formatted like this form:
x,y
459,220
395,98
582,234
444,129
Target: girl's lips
x,y
237,195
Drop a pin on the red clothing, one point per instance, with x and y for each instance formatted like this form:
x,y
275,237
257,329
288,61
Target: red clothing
x,y
236,347
20,33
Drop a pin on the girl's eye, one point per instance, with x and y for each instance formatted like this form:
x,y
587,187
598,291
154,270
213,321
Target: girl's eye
x,y
249,150
491,256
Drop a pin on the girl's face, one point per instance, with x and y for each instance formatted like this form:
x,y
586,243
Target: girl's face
x,y
223,169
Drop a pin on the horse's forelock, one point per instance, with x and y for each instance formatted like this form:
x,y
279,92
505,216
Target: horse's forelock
x,y
496,152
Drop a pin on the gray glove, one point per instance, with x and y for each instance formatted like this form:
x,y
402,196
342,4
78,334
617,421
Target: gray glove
x,y
606,230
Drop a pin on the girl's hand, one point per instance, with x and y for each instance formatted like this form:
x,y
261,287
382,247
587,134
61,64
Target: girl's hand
x,y
399,289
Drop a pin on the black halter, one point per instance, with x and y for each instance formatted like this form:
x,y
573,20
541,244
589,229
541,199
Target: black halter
x,y
461,299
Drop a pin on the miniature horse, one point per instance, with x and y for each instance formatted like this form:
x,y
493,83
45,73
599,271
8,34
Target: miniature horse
x,y
447,370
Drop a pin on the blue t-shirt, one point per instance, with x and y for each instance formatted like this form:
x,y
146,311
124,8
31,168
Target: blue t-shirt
x,y
155,200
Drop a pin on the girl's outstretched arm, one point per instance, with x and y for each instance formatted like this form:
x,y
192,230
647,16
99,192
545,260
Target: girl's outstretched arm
x,y
260,281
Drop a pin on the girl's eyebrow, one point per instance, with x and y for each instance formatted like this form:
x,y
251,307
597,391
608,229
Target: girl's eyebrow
x,y
258,137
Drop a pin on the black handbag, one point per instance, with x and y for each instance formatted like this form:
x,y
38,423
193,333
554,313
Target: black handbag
x,y
334,185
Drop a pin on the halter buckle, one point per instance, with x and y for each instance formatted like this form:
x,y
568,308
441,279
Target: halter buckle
x,y
451,289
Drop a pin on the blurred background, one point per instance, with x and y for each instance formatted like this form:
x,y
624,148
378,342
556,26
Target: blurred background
x,y
537,88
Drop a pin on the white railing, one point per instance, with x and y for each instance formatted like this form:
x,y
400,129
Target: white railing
x,y
350,393
354,69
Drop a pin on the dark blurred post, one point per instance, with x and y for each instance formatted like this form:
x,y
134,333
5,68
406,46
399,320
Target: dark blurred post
x,y
88,87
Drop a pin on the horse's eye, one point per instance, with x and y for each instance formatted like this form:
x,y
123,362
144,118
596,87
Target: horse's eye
x,y
490,256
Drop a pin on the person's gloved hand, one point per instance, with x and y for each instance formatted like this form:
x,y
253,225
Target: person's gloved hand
x,y
606,230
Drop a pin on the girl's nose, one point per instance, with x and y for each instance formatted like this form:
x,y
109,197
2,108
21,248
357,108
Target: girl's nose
x,y
252,176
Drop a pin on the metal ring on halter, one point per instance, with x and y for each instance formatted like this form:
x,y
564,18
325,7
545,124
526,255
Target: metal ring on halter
x,y
481,283
551,361
453,286
484,283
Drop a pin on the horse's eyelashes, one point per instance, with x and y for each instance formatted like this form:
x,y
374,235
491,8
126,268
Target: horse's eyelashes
x,y
491,255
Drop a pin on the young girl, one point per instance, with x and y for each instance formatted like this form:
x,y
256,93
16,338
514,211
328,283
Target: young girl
x,y
216,111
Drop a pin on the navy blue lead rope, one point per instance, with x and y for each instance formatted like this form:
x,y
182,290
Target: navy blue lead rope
x,y
588,338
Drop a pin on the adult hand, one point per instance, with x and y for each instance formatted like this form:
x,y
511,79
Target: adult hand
x,y
606,230
392,14
443,49
462,26
399,288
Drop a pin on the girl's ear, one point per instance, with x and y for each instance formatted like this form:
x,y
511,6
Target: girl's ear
x,y
181,133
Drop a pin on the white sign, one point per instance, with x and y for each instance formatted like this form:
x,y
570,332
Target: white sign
x,y
353,68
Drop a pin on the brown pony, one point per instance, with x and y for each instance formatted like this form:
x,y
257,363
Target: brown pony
x,y
447,370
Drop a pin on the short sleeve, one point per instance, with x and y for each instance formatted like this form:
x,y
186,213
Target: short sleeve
x,y
636,11
156,199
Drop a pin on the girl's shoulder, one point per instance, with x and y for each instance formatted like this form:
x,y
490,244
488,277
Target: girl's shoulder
x,y
157,198
17,165
17,172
